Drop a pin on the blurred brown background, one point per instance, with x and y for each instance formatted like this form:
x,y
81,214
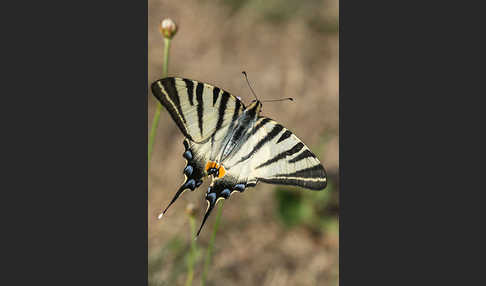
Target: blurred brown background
x,y
269,235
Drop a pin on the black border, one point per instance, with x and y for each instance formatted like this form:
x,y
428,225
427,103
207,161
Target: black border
x,y
75,180
408,127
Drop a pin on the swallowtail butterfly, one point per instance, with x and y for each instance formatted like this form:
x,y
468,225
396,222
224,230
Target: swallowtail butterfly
x,y
232,143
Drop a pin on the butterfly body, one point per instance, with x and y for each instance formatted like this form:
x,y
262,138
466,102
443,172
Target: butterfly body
x,y
232,143
244,123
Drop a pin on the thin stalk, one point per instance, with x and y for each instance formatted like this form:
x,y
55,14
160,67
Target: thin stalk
x,y
192,254
155,121
207,260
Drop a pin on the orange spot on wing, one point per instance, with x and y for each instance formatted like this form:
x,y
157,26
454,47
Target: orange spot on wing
x,y
222,171
211,164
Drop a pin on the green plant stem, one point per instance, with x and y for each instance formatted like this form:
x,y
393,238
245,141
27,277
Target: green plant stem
x,y
192,253
207,260
155,121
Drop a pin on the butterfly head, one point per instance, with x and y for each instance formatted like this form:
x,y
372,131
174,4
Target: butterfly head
x,y
255,107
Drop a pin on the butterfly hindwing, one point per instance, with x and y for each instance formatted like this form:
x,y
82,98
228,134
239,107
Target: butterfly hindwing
x,y
199,109
194,172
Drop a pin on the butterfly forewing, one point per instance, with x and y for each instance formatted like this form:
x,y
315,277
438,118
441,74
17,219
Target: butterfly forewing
x,y
199,109
272,154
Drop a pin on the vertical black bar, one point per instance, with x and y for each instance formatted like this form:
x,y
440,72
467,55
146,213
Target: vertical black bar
x,y
78,77
408,127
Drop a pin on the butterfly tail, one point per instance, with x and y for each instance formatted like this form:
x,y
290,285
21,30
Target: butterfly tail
x,y
189,184
211,199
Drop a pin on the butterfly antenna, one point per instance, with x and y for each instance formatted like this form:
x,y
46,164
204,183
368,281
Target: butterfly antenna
x,y
281,99
246,77
176,196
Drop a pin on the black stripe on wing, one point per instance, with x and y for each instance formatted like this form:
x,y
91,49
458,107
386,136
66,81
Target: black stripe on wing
x,y
284,136
190,89
200,105
221,111
305,154
237,109
235,114
297,147
313,178
270,135
171,101
215,95
260,125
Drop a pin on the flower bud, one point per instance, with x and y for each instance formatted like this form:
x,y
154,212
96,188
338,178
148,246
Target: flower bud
x,y
168,28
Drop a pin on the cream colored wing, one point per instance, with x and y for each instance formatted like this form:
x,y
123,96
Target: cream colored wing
x,y
273,154
199,109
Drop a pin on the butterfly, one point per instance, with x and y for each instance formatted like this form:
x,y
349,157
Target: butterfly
x,y
233,143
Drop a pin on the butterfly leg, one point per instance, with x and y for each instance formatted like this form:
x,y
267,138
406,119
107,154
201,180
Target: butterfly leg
x,y
219,189
193,174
